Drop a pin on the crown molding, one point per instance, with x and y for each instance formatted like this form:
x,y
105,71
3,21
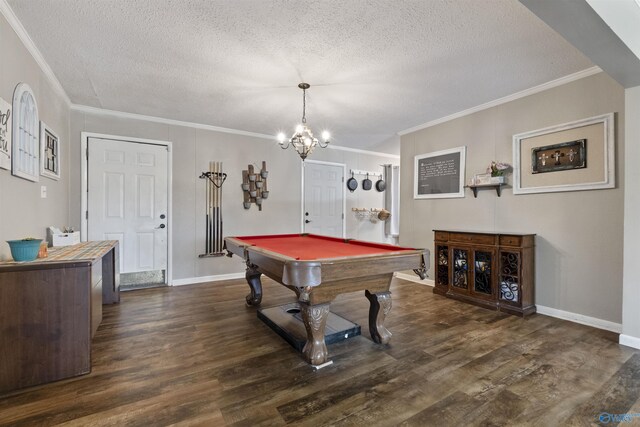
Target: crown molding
x,y
361,151
531,91
155,119
22,34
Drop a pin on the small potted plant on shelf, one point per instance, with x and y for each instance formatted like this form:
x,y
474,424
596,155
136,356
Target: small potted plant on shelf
x,y
498,171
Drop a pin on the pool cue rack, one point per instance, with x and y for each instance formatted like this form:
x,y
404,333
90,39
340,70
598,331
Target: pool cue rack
x,y
254,186
214,179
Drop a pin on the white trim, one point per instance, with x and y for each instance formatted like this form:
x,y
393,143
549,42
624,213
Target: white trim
x,y
531,91
414,278
344,195
204,279
608,179
416,161
84,178
580,318
28,43
154,119
629,341
358,150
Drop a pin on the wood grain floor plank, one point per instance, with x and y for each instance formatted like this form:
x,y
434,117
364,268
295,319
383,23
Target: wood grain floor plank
x,y
198,356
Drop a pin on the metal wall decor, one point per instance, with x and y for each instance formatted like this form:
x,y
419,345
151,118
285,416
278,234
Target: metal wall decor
x,y
214,179
254,186
556,157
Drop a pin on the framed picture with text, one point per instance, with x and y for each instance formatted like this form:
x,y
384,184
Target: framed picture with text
x,y
439,174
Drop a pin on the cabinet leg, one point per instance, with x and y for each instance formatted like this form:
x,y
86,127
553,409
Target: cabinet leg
x,y
315,320
379,333
253,279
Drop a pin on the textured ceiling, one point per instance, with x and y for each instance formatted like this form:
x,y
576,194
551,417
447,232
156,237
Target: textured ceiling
x,y
375,67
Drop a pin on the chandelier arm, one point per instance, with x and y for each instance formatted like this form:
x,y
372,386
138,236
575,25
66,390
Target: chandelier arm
x,y
284,145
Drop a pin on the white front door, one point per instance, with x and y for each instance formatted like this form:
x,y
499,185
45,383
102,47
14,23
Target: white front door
x,y
127,201
323,198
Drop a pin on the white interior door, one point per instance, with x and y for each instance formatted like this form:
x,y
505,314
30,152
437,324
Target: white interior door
x,y
323,198
127,201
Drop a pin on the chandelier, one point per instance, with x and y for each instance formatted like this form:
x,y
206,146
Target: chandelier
x,y
303,140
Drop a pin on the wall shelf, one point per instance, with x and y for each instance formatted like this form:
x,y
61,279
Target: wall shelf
x,y
475,188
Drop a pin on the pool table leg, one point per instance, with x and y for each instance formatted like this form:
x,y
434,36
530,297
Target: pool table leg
x,y
379,333
315,320
253,279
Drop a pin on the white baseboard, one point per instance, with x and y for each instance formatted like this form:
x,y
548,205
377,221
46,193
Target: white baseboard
x,y
414,278
203,279
629,341
580,318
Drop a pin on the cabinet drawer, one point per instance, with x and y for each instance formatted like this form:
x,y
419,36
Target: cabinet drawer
x,y
511,240
442,235
481,239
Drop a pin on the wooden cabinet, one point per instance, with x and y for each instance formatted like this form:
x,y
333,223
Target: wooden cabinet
x,y
495,271
50,309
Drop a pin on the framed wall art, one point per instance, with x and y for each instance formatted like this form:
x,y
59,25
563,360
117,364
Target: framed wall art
x,y
5,134
25,150
568,157
49,152
439,174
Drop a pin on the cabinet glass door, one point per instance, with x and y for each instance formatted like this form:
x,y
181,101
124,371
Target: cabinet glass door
x,y
460,269
509,277
482,272
442,260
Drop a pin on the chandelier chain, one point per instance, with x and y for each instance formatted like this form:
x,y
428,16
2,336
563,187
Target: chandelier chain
x,y
304,106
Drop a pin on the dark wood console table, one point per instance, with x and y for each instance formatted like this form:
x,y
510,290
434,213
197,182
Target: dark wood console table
x,y
491,270
50,309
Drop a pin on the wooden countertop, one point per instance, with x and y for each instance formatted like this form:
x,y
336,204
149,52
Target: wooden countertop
x,y
85,252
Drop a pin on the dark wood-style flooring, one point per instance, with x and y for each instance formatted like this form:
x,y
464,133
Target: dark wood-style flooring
x,y
196,355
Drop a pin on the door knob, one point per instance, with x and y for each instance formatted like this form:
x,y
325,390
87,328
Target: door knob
x,y
161,226
306,221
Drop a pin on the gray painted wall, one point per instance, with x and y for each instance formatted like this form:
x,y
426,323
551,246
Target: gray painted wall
x,y
192,150
630,313
22,212
579,242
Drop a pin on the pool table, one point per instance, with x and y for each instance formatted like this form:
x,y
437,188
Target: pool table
x,y
318,268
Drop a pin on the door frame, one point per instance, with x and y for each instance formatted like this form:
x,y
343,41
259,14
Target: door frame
x,y
344,195
84,182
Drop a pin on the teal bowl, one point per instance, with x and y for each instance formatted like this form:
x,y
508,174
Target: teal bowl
x,y
24,250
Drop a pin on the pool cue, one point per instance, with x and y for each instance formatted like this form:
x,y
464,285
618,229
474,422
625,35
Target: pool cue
x,y
214,176
220,210
206,213
211,194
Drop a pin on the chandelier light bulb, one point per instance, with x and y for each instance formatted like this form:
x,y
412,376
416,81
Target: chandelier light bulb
x,y
299,129
281,138
326,135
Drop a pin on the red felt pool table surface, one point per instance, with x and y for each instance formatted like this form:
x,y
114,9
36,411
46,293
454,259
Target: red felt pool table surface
x,y
307,247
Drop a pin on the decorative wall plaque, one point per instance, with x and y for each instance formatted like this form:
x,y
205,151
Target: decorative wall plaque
x,y
556,157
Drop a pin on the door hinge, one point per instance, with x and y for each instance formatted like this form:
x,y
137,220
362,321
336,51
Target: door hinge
x,y
343,216
87,153
86,214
